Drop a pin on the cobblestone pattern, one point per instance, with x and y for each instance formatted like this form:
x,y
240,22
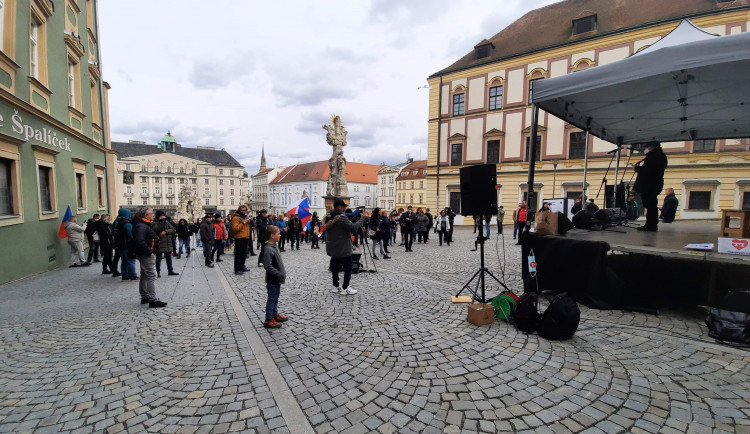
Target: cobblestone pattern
x,y
185,368
399,357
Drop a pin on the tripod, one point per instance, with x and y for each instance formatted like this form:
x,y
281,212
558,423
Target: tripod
x,y
481,274
367,251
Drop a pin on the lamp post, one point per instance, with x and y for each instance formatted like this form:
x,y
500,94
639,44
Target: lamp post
x,y
555,162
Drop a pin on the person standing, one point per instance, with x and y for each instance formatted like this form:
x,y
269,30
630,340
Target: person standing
x,y
650,182
443,226
146,246
166,233
376,234
183,234
669,207
519,218
422,226
430,220
314,230
338,230
260,223
207,235
275,277
241,230
408,219
75,240
477,223
123,231
106,243
281,224
220,232
451,217
294,231
385,229
93,238
500,218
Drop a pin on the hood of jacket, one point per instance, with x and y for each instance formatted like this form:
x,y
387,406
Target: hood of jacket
x,y
124,212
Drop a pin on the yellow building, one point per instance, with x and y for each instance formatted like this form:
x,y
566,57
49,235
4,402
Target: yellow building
x,y
479,107
411,186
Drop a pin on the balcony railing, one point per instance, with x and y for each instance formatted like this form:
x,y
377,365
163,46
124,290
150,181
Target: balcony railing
x,y
144,194
128,194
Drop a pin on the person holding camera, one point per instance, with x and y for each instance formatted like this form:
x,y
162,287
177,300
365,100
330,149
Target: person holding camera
x,y
650,182
338,230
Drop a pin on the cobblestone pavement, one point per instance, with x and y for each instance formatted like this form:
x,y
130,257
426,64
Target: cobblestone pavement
x,y
77,353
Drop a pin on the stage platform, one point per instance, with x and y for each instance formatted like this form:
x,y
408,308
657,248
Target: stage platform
x,y
669,241
621,267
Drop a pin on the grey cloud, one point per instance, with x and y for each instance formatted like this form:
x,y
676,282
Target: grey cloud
x,y
346,55
143,130
309,93
214,74
312,123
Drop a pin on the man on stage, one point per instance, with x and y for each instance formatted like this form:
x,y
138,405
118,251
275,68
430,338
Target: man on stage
x,y
650,182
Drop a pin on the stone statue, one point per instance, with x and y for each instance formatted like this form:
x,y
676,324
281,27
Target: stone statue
x,y
188,205
336,138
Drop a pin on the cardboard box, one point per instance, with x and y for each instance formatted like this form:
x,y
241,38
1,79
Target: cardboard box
x,y
481,314
734,246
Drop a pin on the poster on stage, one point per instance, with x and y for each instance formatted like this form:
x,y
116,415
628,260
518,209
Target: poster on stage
x,y
562,205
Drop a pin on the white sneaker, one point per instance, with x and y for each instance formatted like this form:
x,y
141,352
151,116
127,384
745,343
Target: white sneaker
x,y
348,291
336,289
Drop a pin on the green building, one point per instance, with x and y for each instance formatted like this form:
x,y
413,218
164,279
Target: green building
x,y
54,130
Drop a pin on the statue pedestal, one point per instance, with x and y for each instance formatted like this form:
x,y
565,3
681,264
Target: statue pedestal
x,y
329,200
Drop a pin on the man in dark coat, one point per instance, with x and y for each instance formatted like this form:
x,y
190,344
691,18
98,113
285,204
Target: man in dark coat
x,y
339,245
669,207
166,233
409,218
260,224
650,182
207,234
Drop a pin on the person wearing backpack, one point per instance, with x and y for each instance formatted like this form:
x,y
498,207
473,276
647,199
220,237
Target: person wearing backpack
x,y
145,245
123,233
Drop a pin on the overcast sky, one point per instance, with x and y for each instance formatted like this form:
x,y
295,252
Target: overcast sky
x,y
240,74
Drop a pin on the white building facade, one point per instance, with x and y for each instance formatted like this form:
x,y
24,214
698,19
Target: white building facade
x,y
161,171
311,179
386,189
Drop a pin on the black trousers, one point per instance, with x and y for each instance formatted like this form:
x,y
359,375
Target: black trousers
x,y
293,238
93,249
107,264
443,234
409,238
207,251
168,258
240,253
250,244
115,261
651,204
346,263
218,249
499,227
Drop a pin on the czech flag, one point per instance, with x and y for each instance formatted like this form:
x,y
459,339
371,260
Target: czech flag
x,y
302,209
62,233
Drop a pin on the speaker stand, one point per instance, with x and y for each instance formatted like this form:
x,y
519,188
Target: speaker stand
x,y
480,274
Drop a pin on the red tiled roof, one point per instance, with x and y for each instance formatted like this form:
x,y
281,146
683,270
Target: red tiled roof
x,y
552,25
319,171
420,166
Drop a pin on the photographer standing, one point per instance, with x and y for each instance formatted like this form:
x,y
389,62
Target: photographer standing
x,y
339,245
650,182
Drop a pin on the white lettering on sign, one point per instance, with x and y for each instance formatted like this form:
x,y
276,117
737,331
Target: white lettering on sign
x,y
43,135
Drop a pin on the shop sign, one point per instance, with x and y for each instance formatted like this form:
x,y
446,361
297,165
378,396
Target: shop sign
x,y
28,133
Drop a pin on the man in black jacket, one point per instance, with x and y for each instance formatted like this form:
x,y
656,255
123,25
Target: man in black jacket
x,y
409,219
93,238
260,224
650,182
146,244
451,216
207,234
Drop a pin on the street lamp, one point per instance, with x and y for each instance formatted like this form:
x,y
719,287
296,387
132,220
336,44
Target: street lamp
x,y
555,162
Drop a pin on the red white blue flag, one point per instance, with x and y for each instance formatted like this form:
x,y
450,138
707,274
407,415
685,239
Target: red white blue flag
x,y
302,209
62,232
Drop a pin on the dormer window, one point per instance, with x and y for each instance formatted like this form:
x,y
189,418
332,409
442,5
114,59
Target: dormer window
x,y
483,49
584,25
